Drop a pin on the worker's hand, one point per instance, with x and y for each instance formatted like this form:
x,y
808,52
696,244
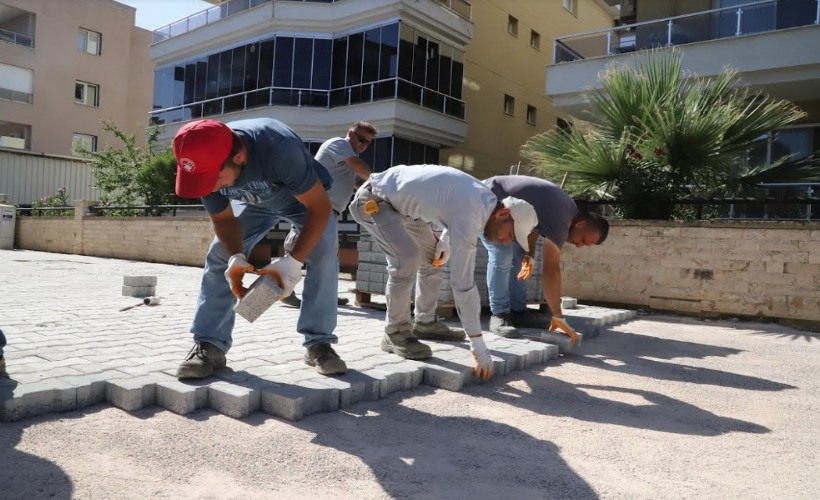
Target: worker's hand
x,y
442,254
483,360
286,270
527,265
237,267
562,326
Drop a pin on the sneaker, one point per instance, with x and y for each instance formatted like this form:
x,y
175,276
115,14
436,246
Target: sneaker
x,y
530,319
436,330
325,359
3,372
502,325
292,300
201,362
342,301
406,345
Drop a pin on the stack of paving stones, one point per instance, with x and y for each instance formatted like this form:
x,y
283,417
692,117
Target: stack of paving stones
x,y
139,286
372,273
128,359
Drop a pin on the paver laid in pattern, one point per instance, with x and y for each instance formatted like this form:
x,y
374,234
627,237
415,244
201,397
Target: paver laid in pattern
x,y
73,341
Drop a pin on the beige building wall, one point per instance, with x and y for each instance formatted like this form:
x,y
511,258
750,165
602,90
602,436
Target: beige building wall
x,y
498,63
123,72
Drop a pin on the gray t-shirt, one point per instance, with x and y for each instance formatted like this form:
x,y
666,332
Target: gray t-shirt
x,y
450,199
553,206
333,154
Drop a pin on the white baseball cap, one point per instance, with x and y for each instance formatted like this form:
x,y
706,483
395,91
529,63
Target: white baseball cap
x,y
525,219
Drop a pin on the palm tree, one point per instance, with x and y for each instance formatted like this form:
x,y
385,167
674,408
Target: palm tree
x,y
658,134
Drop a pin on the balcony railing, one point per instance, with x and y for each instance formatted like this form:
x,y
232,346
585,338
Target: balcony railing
x,y
712,24
393,88
461,7
15,96
17,38
205,17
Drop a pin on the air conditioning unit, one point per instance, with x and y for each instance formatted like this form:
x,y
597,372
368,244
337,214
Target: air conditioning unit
x,y
12,142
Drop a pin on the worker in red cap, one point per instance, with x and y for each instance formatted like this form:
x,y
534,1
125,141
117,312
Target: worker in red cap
x,y
251,174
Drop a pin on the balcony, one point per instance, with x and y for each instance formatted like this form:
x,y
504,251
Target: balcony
x,y
764,41
463,8
17,26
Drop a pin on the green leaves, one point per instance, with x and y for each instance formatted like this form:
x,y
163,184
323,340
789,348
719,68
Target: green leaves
x,y
657,133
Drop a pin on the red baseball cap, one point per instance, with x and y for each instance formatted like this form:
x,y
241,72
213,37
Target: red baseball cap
x,y
200,147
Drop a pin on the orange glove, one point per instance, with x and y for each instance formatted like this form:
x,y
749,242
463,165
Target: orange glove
x,y
527,265
442,252
561,325
237,267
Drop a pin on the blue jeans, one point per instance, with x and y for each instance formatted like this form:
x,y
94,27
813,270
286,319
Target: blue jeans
x,y
214,317
506,292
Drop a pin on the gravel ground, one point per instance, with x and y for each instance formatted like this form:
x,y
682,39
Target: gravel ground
x,y
660,407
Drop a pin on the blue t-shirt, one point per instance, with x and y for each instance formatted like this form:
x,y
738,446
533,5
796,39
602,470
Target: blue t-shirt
x,y
279,167
553,206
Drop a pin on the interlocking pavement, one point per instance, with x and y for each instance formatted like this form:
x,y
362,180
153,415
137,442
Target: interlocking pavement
x,y
70,345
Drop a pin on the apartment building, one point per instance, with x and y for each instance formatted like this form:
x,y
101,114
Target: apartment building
x,y
772,44
445,81
65,66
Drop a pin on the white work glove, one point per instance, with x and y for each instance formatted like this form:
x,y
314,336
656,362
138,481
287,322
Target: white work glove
x,y
527,265
562,326
287,271
483,360
237,267
442,253
290,239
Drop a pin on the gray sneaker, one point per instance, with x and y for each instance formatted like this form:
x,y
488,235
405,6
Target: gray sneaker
x,y
502,325
406,345
201,362
292,300
3,372
436,330
530,319
325,359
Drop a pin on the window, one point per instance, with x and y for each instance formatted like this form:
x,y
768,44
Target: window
x,y
16,84
83,144
535,40
512,25
531,114
509,105
571,5
87,93
89,41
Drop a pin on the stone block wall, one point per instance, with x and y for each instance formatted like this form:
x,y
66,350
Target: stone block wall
x,y
763,269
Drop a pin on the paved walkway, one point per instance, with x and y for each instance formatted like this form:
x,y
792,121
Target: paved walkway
x,y
71,346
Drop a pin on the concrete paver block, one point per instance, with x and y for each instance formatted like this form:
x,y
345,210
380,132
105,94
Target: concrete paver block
x,y
563,342
261,295
353,387
139,281
296,401
138,291
233,400
180,397
451,377
18,401
131,394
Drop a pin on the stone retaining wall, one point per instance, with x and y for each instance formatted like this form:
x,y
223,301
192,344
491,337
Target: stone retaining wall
x,y
744,268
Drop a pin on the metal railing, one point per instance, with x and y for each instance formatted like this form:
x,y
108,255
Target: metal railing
x,y
15,96
204,17
392,88
756,17
461,7
17,38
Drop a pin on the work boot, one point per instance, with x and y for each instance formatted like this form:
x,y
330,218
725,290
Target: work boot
x,y
436,330
292,300
201,362
406,345
325,359
530,319
3,372
502,325
342,301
